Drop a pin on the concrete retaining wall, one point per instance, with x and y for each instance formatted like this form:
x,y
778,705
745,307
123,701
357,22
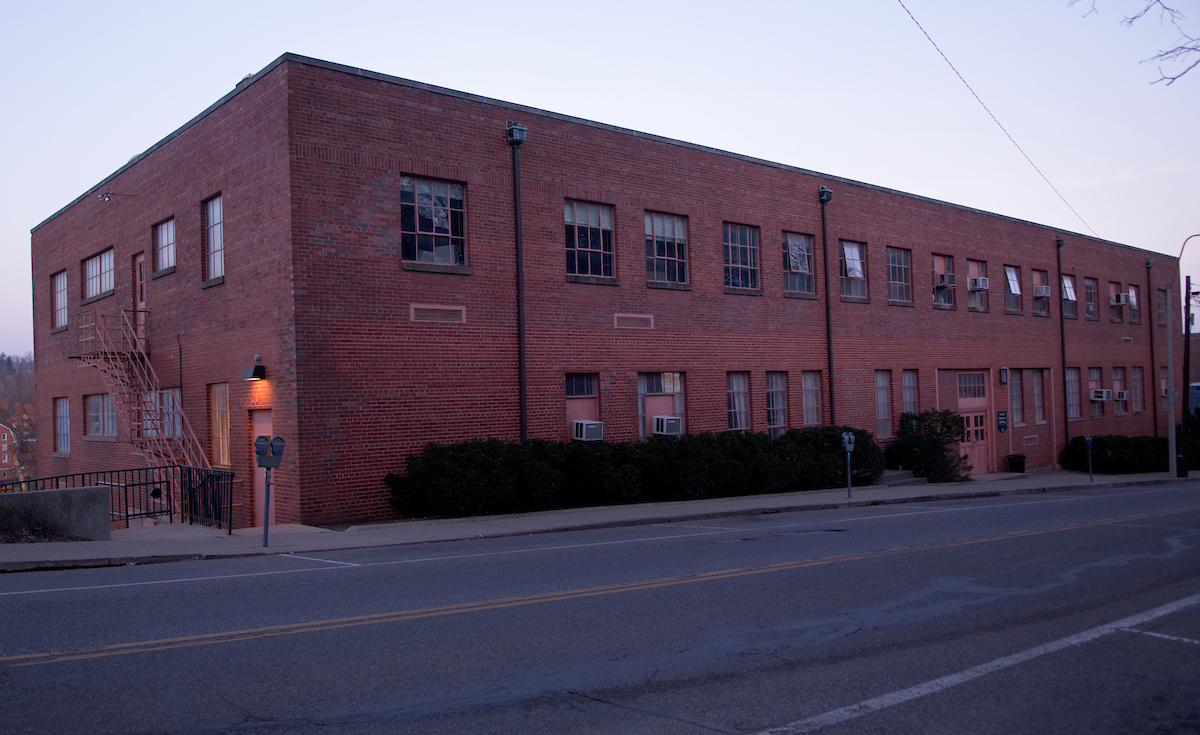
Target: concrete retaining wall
x,y
76,511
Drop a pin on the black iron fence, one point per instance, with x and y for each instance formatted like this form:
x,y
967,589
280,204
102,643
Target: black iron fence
x,y
193,494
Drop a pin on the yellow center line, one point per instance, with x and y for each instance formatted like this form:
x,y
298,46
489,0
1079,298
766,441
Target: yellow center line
x,y
121,649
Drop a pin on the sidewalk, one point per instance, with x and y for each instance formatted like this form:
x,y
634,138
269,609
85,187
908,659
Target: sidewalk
x,y
175,542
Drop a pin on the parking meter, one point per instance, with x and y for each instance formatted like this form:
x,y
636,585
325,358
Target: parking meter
x,y
1087,442
848,445
268,453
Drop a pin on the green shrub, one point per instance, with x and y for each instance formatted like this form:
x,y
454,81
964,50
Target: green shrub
x,y
927,444
1117,455
486,476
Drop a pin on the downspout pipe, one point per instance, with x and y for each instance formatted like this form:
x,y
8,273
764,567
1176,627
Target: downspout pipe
x,y
1062,332
1150,319
825,195
516,136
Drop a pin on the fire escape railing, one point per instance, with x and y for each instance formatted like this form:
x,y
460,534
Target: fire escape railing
x,y
115,344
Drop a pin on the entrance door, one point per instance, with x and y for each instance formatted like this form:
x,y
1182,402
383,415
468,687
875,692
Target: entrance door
x,y
260,422
973,445
139,298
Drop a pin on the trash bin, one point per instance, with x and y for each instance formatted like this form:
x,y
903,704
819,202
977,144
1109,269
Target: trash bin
x,y
1016,463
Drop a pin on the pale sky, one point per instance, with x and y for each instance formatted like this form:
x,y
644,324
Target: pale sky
x,y
849,88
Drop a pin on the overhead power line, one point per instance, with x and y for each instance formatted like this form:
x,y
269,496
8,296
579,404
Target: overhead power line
x,y
994,119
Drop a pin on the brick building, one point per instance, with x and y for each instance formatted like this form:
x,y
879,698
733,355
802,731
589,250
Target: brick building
x,y
352,237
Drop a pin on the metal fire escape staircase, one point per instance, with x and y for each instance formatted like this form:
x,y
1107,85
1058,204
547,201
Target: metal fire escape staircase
x,y
115,344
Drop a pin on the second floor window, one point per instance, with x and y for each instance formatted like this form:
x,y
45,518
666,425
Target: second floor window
x,y
943,275
853,267
1135,315
214,239
797,263
1012,288
164,245
432,222
666,248
1068,295
589,237
58,284
976,293
899,274
1089,297
741,256
98,274
1041,292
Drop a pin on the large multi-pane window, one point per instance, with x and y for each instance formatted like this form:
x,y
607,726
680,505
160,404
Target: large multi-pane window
x,y
737,388
1068,295
776,404
162,412
1090,294
1039,398
164,245
811,384
899,274
943,274
972,385
62,424
58,285
883,403
853,269
214,238
432,221
666,248
741,256
1135,315
1072,380
1041,285
1120,407
101,415
797,263
98,274
1136,390
218,423
1012,288
909,379
1094,381
976,293
1015,397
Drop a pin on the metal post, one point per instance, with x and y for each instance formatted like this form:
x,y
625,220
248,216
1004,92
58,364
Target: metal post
x,y
266,506
1187,367
1172,461
848,483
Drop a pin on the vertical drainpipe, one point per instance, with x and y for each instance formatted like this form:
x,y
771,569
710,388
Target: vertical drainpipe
x,y
516,136
1062,332
1151,319
825,195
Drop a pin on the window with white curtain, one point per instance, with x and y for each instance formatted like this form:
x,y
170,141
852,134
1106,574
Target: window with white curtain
x,y
883,403
58,283
1015,398
909,378
101,415
1012,288
738,400
811,383
854,274
62,424
164,245
776,404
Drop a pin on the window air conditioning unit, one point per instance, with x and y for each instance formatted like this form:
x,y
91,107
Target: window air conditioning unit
x,y
1041,292
1101,394
668,425
1120,299
943,280
977,284
587,431
1122,395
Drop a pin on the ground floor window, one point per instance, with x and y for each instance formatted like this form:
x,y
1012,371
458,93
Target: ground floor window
x,y
101,415
811,380
218,424
776,404
659,394
62,424
737,392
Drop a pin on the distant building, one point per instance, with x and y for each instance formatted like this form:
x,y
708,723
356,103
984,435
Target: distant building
x,y
350,238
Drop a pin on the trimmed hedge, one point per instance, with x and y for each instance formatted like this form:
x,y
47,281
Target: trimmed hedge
x,y
1117,455
927,444
489,476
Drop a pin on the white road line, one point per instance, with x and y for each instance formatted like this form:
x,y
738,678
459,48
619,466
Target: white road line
x,y
1161,635
565,547
327,561
833,717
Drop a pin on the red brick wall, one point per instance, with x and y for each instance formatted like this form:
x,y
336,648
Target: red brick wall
x,y
371,387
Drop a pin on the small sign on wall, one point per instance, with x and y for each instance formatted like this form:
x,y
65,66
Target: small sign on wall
x,y
1002,421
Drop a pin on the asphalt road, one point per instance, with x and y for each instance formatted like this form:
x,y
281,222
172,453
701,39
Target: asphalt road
x,y
1073,612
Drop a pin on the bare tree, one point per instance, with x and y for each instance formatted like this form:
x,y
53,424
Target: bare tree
x,y
1185,55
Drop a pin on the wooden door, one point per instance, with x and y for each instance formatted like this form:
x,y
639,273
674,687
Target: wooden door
x,y
974,443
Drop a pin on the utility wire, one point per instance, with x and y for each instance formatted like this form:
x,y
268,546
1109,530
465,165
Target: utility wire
x,y
989,112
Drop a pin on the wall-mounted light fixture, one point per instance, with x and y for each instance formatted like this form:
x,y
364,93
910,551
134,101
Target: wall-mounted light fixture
x,y
105,196
1003,376
254,372
516,133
